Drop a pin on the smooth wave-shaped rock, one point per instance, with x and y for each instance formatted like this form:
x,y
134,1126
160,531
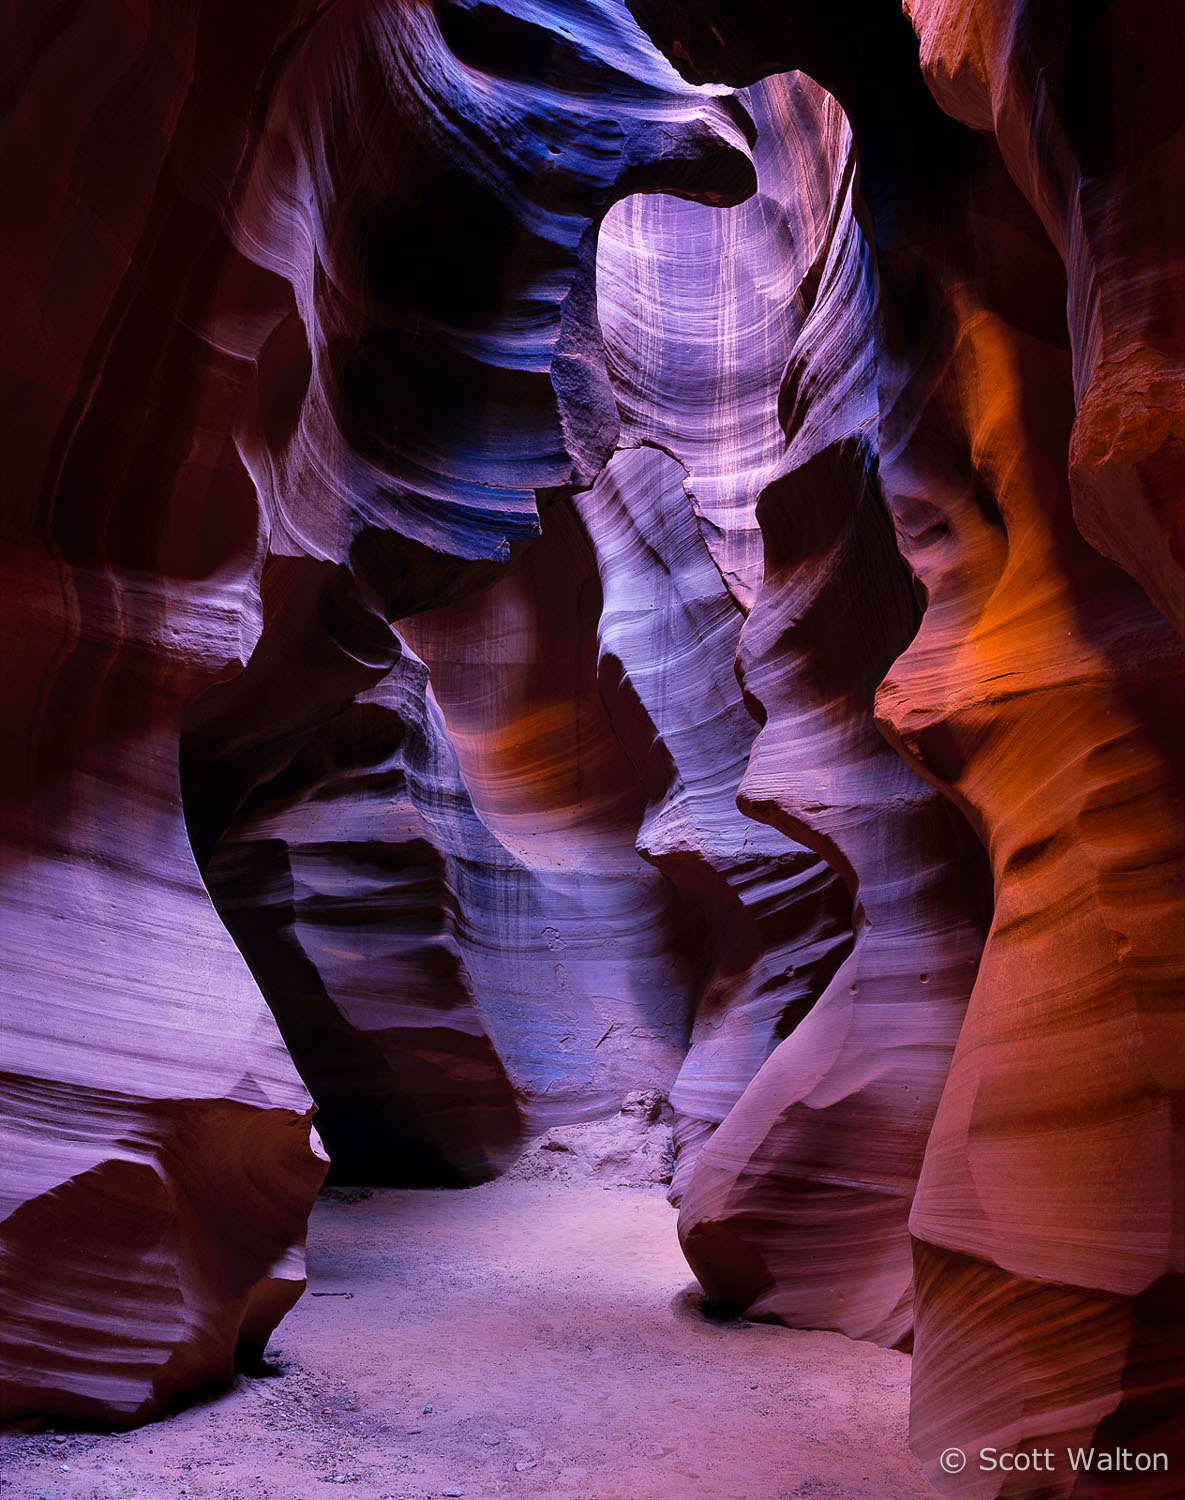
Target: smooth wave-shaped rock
x,y
776,919
304,317
1035,694
156,1191
1085,104
446,905
824,1147
1037,699
340,879
396,487
429,183
548,821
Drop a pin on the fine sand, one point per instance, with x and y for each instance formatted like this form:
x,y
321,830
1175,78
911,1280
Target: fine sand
x,y
527,1339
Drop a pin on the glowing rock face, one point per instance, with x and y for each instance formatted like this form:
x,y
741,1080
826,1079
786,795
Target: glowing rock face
x,y
1086,111
259,370
797,1207
498,898
1036,692
454,896
582,642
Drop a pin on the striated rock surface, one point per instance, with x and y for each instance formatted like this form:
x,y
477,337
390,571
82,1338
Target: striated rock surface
x,y
1044,1218
775,920
389,519
797,1208
593,882
495,900
1038,694
343,879
593,971
561,901
444,879
301,320
457,372
1043,699
1086,105
697,306
159,1167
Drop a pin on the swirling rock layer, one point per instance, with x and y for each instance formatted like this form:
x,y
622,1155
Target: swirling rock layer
x,y
155,1190
333,880
1037,692
1085,104
389,518
823,1148
267,392
776,920
496,899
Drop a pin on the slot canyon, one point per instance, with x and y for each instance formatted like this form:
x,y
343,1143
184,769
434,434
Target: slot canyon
x,y
593,879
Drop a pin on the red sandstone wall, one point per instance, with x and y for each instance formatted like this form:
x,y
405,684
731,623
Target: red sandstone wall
x,y
314,327
260,386
1041,691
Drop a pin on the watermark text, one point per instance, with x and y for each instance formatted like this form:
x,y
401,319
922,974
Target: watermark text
x,y
1047,1460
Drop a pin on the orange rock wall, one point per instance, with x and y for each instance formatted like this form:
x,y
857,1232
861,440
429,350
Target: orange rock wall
x,y
1019,450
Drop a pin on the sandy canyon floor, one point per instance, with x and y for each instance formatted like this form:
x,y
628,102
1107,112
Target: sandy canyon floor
x,y
520,1339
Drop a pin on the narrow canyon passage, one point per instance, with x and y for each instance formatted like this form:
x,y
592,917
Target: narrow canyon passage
x,y
593,587
554,1331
